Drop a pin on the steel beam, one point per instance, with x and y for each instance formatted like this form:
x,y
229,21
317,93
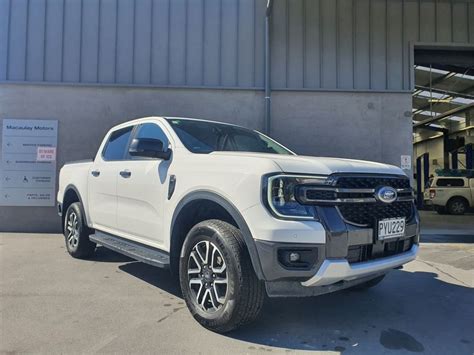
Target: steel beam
x,y
469,156
445,92
444,115
454,160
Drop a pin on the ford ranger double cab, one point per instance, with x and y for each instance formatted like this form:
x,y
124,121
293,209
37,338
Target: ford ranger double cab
x,y
237,216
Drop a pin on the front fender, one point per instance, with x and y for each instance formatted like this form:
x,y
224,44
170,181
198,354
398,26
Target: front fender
x,y
233,212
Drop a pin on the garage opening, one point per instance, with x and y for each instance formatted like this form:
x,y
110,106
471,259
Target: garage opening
x,y
443,115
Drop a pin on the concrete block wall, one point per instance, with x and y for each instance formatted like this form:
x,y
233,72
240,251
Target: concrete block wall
x,y
372,126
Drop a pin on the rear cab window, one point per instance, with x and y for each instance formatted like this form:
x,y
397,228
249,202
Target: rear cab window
x,y
116,146
450,182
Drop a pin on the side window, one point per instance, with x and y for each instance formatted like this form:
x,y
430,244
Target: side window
x,y
152,130
117,144
450,182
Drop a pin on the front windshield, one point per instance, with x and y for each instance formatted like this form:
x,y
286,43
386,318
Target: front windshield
x,y
206,137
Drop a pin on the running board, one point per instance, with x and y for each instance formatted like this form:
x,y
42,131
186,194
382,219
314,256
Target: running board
x,y
131,249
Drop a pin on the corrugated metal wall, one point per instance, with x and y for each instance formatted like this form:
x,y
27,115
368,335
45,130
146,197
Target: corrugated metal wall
x,y
317,44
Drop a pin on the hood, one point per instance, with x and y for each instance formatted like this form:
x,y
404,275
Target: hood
x,y
300,164
326,166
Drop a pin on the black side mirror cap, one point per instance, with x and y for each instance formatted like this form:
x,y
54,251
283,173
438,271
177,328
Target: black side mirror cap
x,y
149,148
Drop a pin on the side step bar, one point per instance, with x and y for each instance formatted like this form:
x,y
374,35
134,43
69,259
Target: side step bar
x,y
131,249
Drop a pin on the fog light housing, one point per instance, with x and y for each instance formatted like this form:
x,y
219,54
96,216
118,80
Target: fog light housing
x,y
294,257
298,258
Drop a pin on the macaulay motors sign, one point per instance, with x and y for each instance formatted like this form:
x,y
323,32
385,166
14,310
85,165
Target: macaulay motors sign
x,y
28,166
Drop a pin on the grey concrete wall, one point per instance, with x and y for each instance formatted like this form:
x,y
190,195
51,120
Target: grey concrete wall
x,y
374,126
371,126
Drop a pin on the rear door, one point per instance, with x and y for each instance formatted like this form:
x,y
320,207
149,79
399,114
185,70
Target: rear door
x,y
103,180
142,190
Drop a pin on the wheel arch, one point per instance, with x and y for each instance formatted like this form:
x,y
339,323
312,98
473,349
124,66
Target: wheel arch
x,y
71,195
212,203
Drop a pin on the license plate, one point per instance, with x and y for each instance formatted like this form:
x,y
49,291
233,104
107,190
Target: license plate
x,y
391,228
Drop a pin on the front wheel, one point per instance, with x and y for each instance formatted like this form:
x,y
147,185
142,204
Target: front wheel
x,y
217,279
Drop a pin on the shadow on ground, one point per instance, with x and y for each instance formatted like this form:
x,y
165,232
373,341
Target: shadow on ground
x,y
105,255
447,238
157,277
408,311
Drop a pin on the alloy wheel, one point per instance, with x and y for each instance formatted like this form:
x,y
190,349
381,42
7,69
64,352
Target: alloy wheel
x,y
207,276
457,207
72,228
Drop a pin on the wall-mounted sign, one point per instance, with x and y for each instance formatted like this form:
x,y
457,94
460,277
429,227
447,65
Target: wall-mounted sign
x,y
28,167
406,162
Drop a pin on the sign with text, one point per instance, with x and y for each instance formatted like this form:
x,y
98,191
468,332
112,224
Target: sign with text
x,y
46,154
405,162
28,166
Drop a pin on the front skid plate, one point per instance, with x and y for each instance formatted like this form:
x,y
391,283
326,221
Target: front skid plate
x,y
295,289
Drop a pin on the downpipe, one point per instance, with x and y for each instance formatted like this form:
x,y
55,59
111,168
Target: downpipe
x,y
268,93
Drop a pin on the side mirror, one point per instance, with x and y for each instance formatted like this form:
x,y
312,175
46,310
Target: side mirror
x,y
149,148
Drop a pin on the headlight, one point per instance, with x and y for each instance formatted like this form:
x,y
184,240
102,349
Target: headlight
x,y
281,199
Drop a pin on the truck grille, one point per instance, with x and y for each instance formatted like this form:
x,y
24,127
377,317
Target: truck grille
x,y
371,182
355,197
367,214
320,195
360,253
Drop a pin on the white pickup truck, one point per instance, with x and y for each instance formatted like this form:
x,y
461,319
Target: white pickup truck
x,y
451,194
236,215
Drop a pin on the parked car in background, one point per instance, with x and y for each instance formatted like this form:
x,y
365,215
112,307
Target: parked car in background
x,y
451,194
236,216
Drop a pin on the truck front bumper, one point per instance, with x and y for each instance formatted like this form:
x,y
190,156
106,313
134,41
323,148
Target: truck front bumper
x,y
333,271
339,254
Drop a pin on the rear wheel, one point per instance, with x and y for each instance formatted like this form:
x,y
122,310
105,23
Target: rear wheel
x,y
217,278
76,233
457,206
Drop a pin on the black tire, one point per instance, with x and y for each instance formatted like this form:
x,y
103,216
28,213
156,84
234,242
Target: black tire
x,y
457,206
76,233
368,284
242,296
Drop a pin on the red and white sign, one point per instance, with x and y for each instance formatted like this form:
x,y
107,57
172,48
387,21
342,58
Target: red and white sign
x,y
46,154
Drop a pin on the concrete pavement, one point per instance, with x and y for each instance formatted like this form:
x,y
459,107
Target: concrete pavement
x,y
52,303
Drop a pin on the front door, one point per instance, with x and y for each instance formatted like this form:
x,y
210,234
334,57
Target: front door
x,y
141,192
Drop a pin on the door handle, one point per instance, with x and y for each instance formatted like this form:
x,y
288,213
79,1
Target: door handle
x,y
125,173
95,173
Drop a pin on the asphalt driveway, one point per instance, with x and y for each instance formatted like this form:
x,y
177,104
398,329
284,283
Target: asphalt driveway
x,y
52,303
